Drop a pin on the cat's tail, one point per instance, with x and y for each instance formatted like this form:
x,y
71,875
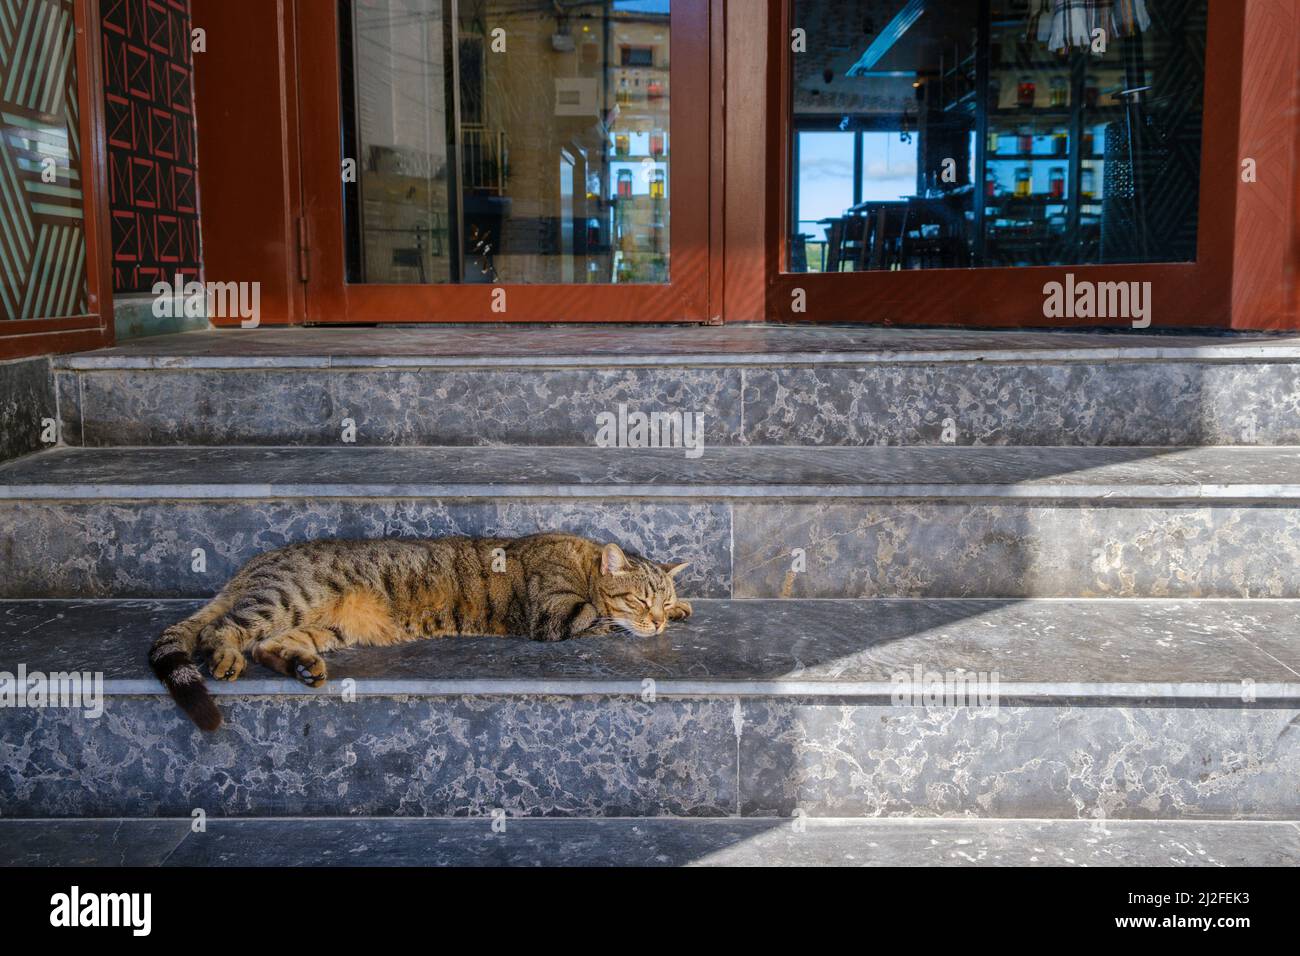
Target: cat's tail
x,y
172,659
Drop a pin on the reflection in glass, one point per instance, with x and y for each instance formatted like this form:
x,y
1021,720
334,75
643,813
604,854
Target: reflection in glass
x,y
1014,136
506,143
42,237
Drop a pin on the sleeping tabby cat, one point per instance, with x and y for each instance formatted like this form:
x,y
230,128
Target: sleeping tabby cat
x,y
291,605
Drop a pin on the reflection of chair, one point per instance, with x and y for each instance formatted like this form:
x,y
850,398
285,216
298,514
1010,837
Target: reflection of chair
x,y
867,238
799,252
933,236
886,220
846,242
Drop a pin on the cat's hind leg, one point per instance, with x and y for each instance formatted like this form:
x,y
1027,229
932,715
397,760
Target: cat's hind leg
x,y
297,653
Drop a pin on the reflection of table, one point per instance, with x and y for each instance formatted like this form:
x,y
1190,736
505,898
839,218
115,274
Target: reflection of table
x,y
864,235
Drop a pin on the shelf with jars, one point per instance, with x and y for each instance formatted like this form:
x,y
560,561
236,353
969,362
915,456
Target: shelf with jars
x,y
1044,120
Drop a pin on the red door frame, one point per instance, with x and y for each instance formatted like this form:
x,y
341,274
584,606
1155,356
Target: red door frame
x,y
247,106
1195,294
685,298
23,337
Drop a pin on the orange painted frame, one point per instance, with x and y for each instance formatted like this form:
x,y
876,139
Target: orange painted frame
x,y
245,101
1198,294
94,329
685,298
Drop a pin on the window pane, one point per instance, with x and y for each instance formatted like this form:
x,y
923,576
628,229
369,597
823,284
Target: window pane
x,y
518,144
1039,134
42,238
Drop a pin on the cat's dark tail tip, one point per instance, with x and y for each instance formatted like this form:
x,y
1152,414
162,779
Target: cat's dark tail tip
x,y
198,703
184,682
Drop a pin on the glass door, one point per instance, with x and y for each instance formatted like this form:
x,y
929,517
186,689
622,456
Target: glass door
x,y
487,160
54,288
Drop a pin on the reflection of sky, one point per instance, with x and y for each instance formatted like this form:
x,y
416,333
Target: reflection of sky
x,y
642,6
826,171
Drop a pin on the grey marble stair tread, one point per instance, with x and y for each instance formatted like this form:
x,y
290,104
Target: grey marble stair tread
x,y
1111,473
658,841
1150,650
494,346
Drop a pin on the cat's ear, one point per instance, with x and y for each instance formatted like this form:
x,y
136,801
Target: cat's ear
x,y
672,570
612,560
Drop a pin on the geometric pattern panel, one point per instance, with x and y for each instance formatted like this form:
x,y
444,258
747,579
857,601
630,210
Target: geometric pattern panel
x,y
152,166
42,240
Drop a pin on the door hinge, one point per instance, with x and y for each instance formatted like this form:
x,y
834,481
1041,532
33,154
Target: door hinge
x,y
300,230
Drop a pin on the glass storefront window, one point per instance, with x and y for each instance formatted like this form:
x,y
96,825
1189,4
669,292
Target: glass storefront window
x,y
42,237
1041,134
501,143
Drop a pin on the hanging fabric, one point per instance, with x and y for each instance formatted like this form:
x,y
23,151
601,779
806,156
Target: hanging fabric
x,y
1075,21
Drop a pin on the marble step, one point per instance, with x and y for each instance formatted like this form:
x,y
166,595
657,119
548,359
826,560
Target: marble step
x,y
755,522
656,842
1094,710
753,385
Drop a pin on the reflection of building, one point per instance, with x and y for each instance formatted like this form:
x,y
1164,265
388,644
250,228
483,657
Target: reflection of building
x,y
560,161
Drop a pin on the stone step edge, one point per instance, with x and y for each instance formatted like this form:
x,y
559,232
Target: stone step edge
x,y
1100,495
1275,693
1227,354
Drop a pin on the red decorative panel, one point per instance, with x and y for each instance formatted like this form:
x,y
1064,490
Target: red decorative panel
x,y
149,105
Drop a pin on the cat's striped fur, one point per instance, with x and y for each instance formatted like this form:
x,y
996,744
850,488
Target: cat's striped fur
x,y
289,606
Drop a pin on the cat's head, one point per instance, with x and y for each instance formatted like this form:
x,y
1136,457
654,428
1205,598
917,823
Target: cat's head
x,y
634,593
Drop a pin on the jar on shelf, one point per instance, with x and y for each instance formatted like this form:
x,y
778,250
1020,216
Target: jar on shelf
x,y
657,184
1091,92
1088,183
990,184
622,144
994,141
656,142
1025,141
1056,182
1088,142
625,184
1026,92
624,95
1024,182
1061,143
1060,91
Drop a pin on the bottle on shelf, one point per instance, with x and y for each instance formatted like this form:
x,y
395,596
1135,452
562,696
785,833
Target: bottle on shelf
x,y
1091,92
1026,91
1056,183
1060,91
657,184
1024,183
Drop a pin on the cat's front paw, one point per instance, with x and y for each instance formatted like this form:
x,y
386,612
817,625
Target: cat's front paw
x,y
597,630
680,610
